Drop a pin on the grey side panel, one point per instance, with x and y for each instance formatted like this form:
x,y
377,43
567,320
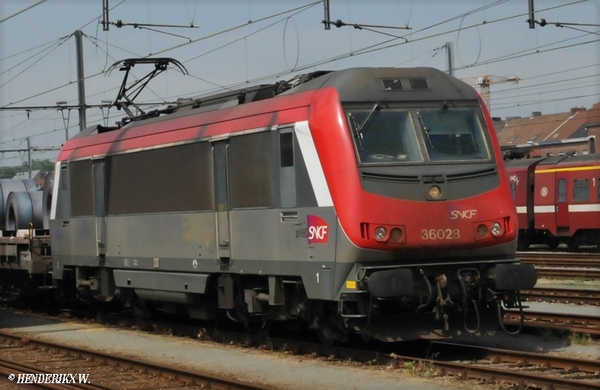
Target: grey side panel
x,y
162,238
162,281
83,234
281,235
269,242
73,244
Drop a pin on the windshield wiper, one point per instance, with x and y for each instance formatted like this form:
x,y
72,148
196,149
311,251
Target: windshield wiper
x,y
424,129
357,133
358,128
375,106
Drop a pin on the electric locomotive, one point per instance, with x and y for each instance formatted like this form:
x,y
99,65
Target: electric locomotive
x,y
367,200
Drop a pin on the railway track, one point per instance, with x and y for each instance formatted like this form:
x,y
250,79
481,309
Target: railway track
x,y
55,366
508,367
462,361
524,369
560,259
561,265
561,321
562,295
568,273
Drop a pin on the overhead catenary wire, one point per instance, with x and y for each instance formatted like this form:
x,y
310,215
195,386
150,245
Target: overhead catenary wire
x,y
377,47
365,50
233,28
415,38
22,11
48,50
294,11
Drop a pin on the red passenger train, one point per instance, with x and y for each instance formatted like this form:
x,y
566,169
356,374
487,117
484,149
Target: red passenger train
x,y
367,200
557,199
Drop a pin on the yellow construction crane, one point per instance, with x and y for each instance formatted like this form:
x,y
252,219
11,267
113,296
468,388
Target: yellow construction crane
x,y
484,83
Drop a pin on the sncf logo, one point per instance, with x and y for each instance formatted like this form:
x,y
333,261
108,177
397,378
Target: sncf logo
x,y
318,230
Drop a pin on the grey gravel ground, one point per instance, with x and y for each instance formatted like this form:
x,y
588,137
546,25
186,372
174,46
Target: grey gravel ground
x,y
269,368
273,369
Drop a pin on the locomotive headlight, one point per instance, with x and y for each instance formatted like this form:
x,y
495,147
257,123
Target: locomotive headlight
x,y
435,192
396,234
496,229
380,233
482,230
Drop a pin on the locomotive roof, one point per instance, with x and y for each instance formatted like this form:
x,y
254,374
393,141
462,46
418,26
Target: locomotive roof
x,y
261,107
353,85
391,84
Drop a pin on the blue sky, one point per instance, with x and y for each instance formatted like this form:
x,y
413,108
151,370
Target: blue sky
x,y
242,42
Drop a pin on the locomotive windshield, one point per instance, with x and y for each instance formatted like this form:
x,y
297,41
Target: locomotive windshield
x,y
384,135
387,135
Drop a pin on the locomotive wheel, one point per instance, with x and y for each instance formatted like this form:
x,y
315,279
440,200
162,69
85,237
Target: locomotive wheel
x,y
572,244
259,327
552,242
329,333
140,310
62,293
324,338
523,242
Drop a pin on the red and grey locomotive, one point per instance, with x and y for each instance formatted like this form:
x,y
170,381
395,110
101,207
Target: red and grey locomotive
x,y
369,200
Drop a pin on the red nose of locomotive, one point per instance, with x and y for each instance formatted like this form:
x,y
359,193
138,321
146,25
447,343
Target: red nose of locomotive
x,y
391,224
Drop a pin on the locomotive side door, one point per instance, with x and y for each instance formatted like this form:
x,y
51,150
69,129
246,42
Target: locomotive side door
x,y
221,188
562,206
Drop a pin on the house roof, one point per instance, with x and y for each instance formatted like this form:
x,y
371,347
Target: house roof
x,y
553,127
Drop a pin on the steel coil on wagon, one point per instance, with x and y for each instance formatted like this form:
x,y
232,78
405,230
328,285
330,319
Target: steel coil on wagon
x,y
6,187
29,184
23,208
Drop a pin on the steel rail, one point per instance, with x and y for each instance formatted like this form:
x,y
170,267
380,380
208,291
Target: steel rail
x,y
573,322
514,364
202,379
568,273
562,295
591,260
496,371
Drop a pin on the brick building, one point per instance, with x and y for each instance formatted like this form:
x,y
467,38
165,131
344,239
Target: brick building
x,y
553,133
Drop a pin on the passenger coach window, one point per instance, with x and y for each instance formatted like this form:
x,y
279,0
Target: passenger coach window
x,y
581,190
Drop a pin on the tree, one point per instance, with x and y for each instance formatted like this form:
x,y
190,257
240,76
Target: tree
x,y
10,172
42,165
